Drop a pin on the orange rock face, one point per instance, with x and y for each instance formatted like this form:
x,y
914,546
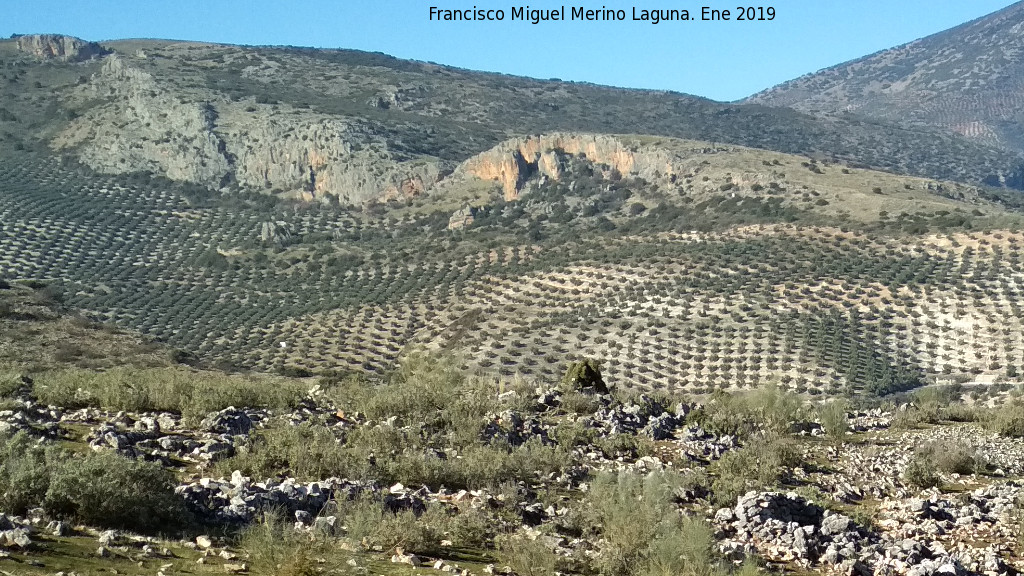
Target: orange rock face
x,y
510,163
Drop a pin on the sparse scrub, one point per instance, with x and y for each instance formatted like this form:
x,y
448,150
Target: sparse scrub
x,y
1008,419
273,546
921,473
951,456
367,521
762,463
304,451
643,530
769,409
527,556
177,389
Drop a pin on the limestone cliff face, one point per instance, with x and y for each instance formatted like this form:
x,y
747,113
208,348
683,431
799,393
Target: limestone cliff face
x,y
315,157
60,47
513,161
144,126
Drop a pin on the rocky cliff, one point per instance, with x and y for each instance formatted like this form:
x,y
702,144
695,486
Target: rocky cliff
x,y
514,161
145,128
58,46
143,125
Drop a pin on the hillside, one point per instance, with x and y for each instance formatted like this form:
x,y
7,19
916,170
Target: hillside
x,y
362,127
292,312
967,80
564,245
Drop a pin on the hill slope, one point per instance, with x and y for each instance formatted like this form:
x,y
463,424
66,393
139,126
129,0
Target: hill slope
x,y
967,80
362,127
625,248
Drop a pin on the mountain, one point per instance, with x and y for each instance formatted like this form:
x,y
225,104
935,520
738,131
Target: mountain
x,y
364,127
968,80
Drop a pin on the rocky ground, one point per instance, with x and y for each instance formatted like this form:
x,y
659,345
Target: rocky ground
x,y
847,509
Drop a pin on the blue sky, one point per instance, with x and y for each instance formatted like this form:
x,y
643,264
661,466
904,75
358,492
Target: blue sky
x,y
722,60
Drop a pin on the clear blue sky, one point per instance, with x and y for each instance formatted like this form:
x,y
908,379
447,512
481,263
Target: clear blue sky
x,y
723,61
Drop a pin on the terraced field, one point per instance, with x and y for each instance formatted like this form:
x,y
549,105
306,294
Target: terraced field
x,y
825,304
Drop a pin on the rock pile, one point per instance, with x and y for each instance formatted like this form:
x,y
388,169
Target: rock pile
x,y
14,533
788,528
239,499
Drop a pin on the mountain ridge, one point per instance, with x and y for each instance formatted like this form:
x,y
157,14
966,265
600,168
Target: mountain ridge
x,y
366,127
964,80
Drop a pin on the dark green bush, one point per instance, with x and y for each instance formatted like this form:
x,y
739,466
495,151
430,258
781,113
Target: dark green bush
x,y
584,375
24,473
97,488
108,490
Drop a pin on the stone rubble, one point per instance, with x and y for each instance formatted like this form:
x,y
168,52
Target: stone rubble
x,y
788,528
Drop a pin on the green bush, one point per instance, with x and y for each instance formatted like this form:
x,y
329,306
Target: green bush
x,y
644,532
762,463
951,456
768,409
24,473
921,473
1008,419
834,420
367,521
305,451
584,375
108,490
97,488
10,383
273,546
526,556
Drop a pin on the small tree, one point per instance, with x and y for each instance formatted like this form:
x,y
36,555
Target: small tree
x,y
834,419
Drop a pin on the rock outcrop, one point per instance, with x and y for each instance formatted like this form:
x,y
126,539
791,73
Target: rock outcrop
x,y
144,126
315,157
512,162
59,47
146,129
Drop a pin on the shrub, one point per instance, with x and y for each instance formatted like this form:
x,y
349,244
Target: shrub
x,y
177,389
1008,419
10,383
273,546
108,490
834,419
644,532
305,451
368,522
921,473
769,409
526,556
951,457
631,511
24,473
584,375
761,463
578,403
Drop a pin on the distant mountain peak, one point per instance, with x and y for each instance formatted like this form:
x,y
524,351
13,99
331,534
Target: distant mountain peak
x,y
968,80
